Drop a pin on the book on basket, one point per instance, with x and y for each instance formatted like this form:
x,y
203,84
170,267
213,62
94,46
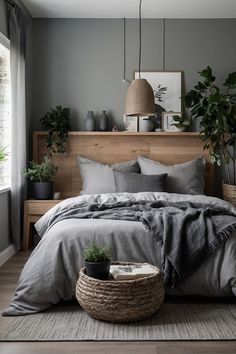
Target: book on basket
x,y
131,271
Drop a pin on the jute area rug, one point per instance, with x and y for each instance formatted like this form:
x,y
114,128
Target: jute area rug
x,y
174,321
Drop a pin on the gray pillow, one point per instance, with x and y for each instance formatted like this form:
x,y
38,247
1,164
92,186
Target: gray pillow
x,y
135,182
184,178
98,178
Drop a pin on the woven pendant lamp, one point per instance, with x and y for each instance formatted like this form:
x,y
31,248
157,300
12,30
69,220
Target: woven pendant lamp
x,y
140,97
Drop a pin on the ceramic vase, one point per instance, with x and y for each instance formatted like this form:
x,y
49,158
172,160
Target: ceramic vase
x,y
103,121
90,121
146,125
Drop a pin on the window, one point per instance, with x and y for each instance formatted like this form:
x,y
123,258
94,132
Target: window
x,y
5,107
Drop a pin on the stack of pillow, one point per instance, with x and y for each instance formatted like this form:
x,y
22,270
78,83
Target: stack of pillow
x,y
142,175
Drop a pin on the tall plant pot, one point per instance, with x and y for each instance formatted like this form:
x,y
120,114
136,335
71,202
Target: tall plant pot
x,y
43,190
229,193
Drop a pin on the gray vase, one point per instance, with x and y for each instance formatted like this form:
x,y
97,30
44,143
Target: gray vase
x,y
146,125
103,121
90,121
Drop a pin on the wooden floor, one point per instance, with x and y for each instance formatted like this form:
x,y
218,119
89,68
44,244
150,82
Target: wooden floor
x,y
9,274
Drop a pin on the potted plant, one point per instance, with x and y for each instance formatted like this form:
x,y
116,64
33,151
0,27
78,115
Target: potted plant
x,y
97,261
218,123
57,123
41,175
180,122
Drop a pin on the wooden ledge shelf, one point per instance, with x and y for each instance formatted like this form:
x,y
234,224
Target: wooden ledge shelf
x,y
98,133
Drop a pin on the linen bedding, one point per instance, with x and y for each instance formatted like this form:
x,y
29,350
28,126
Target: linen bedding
x,y
51,272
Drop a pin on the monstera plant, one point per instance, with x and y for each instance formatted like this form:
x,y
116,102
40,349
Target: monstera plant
x,y
217,109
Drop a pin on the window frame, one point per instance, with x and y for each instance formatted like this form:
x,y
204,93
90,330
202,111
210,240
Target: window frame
x,y
6,43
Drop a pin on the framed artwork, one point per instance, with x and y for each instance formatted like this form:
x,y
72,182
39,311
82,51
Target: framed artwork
x,y
167,121
130,123
167,90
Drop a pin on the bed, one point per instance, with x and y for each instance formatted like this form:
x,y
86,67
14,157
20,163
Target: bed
x,y
51,272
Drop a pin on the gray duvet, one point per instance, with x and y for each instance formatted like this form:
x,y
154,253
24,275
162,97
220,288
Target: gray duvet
x,y
52,270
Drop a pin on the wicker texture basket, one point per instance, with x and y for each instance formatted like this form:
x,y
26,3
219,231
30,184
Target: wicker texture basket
x,y
120,301
229,193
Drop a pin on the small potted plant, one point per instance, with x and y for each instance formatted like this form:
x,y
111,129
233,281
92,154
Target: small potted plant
x,y
217,110
180,122
57,123
97,261
41,174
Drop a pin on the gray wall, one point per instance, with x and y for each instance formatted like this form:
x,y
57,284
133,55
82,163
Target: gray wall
x,y
3,18
79,62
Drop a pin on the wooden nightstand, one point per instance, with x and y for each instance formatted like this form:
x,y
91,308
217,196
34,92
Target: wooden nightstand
x,y
33,210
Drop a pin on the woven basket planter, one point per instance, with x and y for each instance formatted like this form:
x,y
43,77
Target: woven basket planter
x,y
229,193
123,300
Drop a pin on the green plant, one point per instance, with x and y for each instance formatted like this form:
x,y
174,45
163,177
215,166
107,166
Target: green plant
x,y
96,254
3,153
218,124
180,121
57,123
41,172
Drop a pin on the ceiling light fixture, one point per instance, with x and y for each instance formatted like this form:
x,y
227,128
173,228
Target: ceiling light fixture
x,y
140,96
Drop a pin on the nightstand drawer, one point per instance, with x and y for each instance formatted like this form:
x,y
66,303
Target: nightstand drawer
x,y
33,210
40,208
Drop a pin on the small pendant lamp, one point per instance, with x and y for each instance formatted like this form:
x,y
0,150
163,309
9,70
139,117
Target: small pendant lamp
x,y
140,97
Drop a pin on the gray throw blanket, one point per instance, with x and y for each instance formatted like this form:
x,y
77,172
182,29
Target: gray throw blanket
x,y
188,232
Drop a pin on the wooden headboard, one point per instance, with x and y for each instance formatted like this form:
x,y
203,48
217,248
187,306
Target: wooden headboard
x,y
110,147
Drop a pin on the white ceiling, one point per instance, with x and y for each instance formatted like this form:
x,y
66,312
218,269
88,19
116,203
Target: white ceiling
x,y
129,8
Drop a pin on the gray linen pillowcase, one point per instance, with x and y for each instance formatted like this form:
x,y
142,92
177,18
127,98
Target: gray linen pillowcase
x,y
184,178
135,182
98,178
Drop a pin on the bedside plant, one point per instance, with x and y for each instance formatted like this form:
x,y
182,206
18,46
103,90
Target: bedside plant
x,y
41,174
218,125
57,123
97,261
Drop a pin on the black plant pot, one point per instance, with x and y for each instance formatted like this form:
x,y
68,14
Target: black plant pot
x,y
98,270
43,190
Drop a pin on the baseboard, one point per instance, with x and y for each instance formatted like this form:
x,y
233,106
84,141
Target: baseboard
x,y
7,254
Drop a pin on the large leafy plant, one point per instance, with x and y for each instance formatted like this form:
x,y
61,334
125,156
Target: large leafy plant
x,y
218,120
96,254
57,123
41,172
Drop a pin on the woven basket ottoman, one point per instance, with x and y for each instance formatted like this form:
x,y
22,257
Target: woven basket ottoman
x,y
120,300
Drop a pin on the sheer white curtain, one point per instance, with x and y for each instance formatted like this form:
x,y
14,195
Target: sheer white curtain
x,y
18,29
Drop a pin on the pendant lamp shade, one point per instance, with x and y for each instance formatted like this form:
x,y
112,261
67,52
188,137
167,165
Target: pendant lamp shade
x,y
139,99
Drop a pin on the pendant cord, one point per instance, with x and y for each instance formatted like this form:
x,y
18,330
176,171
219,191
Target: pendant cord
x,y
140,36
124,52
124,41
164,45
10,2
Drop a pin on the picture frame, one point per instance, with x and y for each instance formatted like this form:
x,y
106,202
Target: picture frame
x,y
130,123
167,121
167,88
